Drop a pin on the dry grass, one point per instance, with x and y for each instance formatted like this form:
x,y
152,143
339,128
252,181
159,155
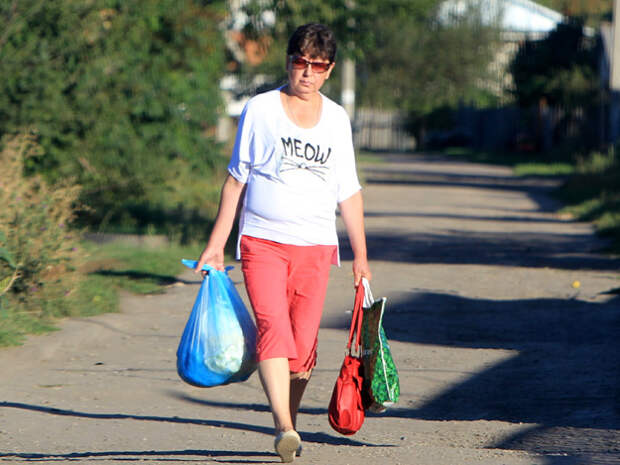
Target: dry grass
x,y
38,252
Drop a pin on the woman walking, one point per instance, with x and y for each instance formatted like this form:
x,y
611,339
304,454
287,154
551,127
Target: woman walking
x,y
292,165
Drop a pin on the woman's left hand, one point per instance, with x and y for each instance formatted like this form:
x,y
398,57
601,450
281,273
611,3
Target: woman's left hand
x,y
361,269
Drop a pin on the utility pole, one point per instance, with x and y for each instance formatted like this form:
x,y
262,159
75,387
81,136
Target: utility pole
x,y
614,79
614,82
347,95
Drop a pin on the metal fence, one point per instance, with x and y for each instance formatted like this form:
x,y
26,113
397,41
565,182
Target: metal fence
x,y
381,130
539,128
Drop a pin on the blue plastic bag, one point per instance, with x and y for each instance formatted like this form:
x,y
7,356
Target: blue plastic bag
x,y
218,345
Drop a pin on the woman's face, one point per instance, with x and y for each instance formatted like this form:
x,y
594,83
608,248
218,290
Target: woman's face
x,y
306,75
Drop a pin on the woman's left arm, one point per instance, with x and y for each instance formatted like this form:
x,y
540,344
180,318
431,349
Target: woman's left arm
x,y
352,212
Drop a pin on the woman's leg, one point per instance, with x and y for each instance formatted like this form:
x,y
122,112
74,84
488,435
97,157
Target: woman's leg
x,y
265,268
307,286
298,384
274,375
286,286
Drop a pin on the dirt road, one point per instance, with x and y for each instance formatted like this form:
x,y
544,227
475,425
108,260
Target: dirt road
x,y
504,358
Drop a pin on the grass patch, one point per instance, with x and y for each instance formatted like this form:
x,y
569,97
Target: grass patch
x,y
603,211
482,156
593,194
107,269
522,164
137,269
544,169
364,156
16,323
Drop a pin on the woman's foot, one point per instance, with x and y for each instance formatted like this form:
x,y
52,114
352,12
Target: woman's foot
x,y
286,445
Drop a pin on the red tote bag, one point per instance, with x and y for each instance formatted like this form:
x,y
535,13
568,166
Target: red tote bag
x,y
346,409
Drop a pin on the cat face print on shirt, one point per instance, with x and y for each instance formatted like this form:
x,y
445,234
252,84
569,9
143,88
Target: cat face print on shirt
x,y
297,154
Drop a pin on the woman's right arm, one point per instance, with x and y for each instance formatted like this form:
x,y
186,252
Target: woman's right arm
x,y
213,254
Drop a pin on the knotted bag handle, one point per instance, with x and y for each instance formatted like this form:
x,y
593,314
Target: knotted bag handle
x,y
192,264
356,321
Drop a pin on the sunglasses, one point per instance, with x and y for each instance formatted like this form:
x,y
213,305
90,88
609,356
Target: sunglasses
x,y
316,66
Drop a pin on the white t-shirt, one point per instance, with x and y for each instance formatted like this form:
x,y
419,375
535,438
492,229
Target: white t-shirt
x,y
295,176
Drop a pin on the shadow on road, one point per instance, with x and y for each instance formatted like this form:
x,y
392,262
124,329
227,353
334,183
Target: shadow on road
x,y
537,188
143,455
309,437
566,371
564,377
536,248
529,249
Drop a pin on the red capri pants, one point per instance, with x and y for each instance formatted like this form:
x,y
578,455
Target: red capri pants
x,y
286,285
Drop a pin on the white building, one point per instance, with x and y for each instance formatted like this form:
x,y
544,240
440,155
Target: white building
x,y
524,18
517,20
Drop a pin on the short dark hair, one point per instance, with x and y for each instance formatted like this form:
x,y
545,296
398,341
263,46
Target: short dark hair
x,y
315,40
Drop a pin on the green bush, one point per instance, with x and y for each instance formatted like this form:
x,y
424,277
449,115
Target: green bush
x,y
38,251
124,97
46,271
593,193
561,71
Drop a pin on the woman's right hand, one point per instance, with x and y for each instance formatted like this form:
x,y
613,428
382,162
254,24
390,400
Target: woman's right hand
x,y
215,258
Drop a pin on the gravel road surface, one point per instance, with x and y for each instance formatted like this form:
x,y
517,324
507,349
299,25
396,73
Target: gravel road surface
x,y
504,322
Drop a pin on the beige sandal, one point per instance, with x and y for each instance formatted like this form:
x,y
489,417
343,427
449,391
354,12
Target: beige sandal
x,y
286,445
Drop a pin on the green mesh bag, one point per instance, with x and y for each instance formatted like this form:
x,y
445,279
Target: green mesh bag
x,y
381,384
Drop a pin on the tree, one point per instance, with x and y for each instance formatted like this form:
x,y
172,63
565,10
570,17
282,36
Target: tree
x,y
120,95
561,71
427,68
562,68
354,23
420,64
406,58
